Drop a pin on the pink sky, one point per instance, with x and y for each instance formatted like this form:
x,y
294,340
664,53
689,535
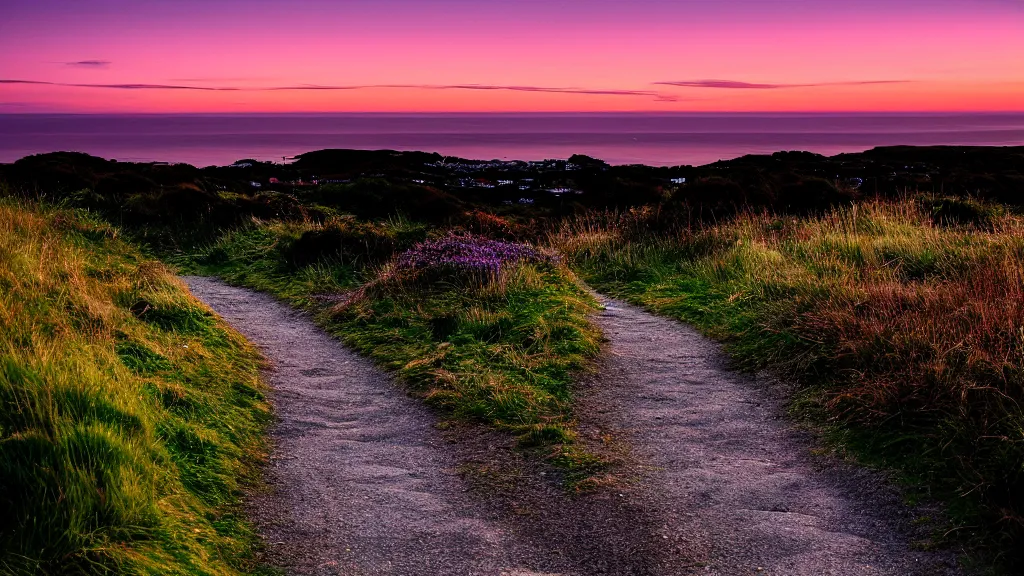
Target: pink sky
x,y
556,55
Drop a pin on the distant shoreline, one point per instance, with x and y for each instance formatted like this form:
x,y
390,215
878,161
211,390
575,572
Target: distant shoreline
x,y
654,139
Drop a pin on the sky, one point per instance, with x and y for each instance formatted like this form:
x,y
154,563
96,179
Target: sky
x,y
141,56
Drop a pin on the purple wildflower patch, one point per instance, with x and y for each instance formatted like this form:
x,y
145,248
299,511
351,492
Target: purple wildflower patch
x,y
467,253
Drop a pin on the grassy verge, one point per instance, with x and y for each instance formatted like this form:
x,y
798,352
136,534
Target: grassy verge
x,y
129,416
905,329
496,345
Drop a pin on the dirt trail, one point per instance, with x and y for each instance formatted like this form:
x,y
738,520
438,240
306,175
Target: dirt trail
x,y
726,475
362,482
712,480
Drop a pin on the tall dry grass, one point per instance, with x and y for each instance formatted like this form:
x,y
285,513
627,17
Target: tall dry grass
x,y
129,416
905,329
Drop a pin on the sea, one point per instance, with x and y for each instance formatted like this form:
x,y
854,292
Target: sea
x,y
617,138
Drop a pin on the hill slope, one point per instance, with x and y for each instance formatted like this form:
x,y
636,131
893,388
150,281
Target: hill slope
x,y
129,415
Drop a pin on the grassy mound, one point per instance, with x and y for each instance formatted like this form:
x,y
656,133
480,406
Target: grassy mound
x,y
489,330
904,323
129,416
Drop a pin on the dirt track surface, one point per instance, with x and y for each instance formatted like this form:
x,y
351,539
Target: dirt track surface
x,y
726,474
709,479
361,481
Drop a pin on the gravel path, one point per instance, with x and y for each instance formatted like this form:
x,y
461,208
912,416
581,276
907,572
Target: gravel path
x,y
709,478
361,481
725,473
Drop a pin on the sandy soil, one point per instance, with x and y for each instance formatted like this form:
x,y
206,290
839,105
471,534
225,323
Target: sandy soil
x,y
709,477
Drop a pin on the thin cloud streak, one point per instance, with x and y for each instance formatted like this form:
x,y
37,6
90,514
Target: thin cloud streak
x,y
89,64
119,86
553,90
658,96
737,85
221,79
598,92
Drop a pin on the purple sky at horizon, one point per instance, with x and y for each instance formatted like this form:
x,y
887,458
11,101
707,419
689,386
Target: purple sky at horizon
x,y
530,55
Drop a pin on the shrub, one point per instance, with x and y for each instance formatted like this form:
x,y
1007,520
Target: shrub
x,y
808,195
963,212
378,198
713,197
351,241
464,256
491,225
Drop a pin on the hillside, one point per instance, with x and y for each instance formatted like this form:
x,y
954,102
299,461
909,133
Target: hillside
x,y
130,417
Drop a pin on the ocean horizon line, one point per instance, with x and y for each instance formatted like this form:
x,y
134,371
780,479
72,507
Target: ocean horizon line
x,y
919,113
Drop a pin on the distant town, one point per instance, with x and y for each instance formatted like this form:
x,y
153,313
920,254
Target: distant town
x,y
546,177
586,179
